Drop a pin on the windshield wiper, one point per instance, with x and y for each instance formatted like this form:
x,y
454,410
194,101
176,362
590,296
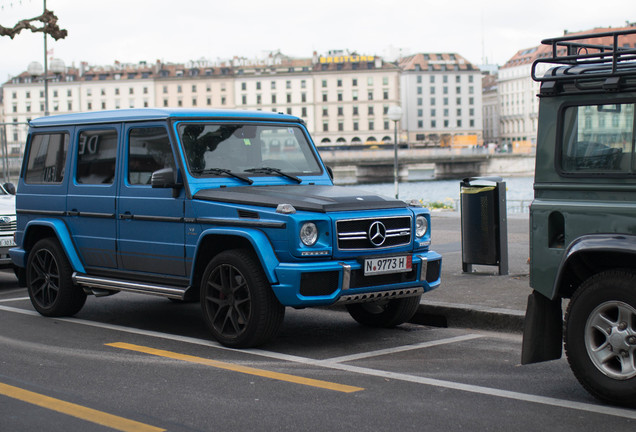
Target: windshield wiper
x,y
223,171
270,170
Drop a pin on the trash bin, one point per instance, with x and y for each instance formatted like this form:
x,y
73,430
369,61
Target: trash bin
x,y
483,223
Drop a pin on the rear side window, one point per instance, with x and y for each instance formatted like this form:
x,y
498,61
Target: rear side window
x,y
47,158
96,157
598,139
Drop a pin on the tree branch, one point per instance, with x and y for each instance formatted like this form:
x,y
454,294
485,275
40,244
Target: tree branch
x,y
50,26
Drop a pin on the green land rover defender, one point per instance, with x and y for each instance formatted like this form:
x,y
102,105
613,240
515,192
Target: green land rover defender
x,y
583,217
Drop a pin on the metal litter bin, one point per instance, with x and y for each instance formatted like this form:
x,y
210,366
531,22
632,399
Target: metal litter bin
x,y
484,224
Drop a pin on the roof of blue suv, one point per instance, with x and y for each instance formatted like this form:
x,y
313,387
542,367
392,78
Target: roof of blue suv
x,y
146,114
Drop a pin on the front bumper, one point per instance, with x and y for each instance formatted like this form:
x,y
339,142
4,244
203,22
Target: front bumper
x,y
327,282
5,259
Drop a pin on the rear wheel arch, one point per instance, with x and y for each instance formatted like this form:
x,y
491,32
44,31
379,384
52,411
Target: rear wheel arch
x,y
585,259
56,229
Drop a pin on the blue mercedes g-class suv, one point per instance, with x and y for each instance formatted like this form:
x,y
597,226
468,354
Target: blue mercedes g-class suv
x,y
233,208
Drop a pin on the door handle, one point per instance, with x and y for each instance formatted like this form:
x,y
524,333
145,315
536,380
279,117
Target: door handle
x,y
126,215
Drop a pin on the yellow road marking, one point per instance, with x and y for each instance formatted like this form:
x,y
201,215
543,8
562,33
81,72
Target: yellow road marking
x,y
78,411
236,368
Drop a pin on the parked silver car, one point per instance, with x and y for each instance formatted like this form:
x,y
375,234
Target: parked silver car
x,y
7,223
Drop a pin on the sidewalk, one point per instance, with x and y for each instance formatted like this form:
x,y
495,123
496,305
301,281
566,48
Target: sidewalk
x,y
481,299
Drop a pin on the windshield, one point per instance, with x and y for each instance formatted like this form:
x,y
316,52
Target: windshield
x,y
241,148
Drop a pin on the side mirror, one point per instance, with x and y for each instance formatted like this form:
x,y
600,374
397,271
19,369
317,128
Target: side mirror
x,y
9,187
330,172
165,178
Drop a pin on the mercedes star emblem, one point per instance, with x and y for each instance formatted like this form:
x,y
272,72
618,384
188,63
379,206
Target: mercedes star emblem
x,y
377,233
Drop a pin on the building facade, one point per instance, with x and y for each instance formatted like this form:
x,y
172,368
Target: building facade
x,y
441,99
519,105
344,98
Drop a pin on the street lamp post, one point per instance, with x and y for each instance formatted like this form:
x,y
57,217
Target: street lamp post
x,y
395,114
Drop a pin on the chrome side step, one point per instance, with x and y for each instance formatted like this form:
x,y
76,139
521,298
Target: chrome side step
x,y
382,295
96,285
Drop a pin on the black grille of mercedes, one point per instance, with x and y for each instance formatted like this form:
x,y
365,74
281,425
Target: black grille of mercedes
x,y
373,233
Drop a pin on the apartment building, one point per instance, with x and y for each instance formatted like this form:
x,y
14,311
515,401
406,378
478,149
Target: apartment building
x,y
343,97
441,99
519,105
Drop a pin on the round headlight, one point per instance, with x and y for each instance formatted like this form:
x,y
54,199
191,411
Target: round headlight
x,y
309,233
421,226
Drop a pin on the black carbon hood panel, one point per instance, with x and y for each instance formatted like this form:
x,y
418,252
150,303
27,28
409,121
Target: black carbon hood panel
x,y
303,197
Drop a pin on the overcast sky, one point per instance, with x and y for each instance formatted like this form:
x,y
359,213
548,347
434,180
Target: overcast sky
x,y
101,32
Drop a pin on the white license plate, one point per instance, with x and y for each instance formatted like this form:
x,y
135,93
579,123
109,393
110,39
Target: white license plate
x,y
398,264
6,242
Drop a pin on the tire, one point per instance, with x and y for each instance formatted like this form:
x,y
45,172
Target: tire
x,y
600,336
238,303
384,313
48,280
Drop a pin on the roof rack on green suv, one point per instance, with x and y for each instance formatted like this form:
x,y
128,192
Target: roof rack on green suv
x,y
583,217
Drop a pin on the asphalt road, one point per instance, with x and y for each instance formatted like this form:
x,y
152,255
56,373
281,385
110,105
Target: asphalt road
x,y
130,362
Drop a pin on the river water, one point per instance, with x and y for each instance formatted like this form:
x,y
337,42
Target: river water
x,y
519,192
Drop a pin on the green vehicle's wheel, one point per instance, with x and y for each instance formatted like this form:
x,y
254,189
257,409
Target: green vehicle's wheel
x,y
48,279
384,313
238,303
600,336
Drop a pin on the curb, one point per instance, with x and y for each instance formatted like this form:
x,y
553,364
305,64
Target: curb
x,y
440,314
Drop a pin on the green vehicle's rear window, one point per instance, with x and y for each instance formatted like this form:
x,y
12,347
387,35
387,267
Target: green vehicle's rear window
x,y
598,139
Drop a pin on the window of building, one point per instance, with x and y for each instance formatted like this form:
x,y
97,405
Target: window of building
x,y
370,95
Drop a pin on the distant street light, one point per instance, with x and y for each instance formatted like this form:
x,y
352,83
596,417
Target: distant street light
x,y
395,114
